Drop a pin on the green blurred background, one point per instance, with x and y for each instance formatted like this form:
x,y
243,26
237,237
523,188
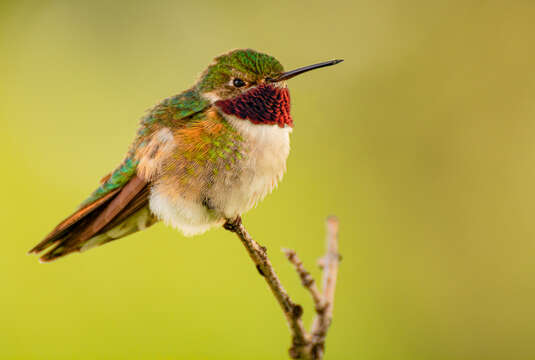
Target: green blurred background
x,y
422,142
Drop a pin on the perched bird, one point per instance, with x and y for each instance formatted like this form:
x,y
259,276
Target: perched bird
x,y
199,158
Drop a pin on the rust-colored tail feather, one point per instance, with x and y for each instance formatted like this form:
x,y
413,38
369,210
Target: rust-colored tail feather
x,y
93,219
67,224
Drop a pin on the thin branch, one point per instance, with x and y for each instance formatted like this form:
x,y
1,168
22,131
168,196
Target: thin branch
x,y
329,263
258,254
306,279
304,345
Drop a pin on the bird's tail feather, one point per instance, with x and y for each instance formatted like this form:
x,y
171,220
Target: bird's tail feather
x,y
116,215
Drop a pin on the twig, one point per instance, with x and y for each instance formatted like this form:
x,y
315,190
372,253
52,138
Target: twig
x,y
306,279
329,264
304,345
258,254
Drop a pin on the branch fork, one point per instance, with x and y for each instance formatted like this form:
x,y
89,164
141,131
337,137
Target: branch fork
x,y
305,345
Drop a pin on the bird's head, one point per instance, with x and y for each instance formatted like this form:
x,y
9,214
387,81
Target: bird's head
x,y
251,86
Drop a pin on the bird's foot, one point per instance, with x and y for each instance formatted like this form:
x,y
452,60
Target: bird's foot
x,y
232,224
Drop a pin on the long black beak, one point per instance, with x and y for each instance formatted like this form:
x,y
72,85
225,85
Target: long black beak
x,y
290,74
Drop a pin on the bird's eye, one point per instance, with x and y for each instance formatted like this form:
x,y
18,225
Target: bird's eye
x,y
238,82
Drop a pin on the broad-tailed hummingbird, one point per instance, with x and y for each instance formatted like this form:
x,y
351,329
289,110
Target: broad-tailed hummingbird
x,y
200,158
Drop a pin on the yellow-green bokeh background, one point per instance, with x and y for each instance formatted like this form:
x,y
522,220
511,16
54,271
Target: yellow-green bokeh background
x,y
422,142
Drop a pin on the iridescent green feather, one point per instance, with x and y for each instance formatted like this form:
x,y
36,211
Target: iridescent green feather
x,y
168,112
245,61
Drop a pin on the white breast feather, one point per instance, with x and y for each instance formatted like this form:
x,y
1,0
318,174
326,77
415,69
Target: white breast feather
x,y
263,165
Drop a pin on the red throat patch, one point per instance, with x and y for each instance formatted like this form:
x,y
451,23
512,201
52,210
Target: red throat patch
x,y
265,104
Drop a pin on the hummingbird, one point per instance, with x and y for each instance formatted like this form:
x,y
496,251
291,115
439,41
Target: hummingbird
x,y
199,158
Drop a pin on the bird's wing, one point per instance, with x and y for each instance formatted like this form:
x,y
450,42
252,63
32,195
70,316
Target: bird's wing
x,y
124,192
88,221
